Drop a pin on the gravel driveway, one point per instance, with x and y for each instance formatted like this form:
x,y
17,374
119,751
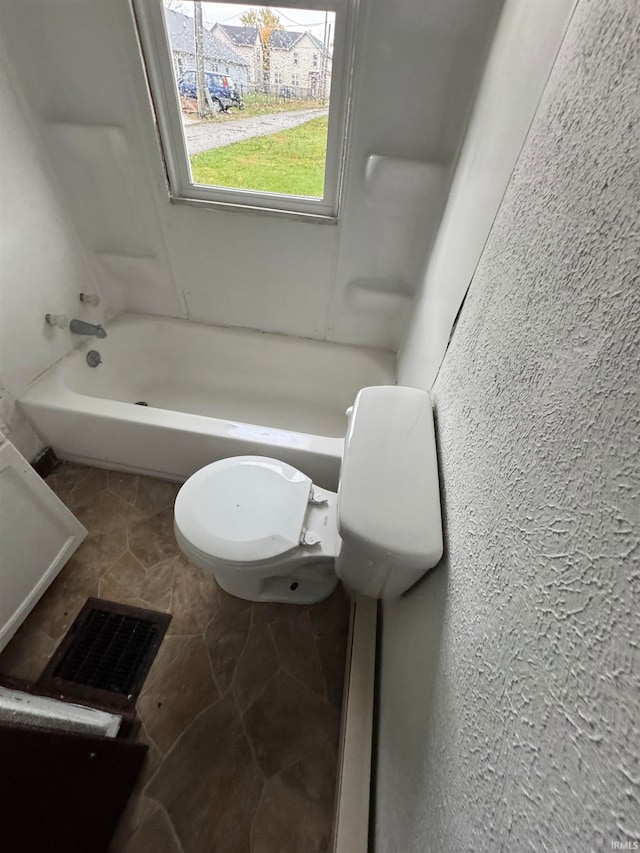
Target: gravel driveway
x,y
211,134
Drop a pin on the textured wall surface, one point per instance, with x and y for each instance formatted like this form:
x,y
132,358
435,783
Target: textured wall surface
x,y
510,684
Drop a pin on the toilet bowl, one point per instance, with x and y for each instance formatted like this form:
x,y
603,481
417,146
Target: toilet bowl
x,y
267,533
262,528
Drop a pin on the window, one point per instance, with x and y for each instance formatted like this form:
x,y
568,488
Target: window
x,y
315,60
213,152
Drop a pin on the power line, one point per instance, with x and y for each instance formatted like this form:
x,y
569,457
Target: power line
x,y
298,23
279,12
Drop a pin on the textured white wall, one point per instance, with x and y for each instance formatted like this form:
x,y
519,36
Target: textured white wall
x,y
511,675
42,268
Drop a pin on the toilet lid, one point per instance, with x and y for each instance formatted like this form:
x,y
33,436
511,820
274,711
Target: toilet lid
x,y
245,509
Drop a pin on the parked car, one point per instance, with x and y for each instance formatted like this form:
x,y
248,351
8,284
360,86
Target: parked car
x,y
224,92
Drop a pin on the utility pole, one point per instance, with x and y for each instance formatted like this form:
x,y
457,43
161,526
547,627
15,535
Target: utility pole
x,y
323,87
200,87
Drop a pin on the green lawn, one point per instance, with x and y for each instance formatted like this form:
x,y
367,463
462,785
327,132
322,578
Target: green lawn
x,y
257,104
290,162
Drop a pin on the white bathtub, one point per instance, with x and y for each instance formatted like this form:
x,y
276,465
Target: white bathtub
x,y
210,392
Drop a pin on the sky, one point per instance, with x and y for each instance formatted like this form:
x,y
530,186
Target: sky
x,y
229,13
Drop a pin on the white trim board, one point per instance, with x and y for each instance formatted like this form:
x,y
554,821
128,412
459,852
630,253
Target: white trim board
x,y
351,828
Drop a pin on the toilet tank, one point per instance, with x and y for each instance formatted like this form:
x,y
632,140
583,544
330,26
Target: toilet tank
x,y
389,498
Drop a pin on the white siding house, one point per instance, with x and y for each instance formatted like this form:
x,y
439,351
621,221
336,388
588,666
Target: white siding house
x,y
245,41
298,60
218,54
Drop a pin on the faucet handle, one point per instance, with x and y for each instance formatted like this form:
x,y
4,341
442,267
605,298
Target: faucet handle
x,y
90,299
59,320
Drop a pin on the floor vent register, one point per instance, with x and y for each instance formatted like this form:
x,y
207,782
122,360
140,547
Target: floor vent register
x,y
107,653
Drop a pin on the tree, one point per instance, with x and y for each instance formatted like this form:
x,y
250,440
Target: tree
x,y
199,51
266,21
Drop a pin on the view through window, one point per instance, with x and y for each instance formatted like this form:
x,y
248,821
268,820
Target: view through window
x,y
253,84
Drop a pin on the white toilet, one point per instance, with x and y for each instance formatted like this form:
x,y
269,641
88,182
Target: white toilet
x,y
268,533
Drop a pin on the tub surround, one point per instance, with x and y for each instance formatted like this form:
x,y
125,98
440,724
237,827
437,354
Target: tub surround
x,y
292,277
43,267
241,709
210,392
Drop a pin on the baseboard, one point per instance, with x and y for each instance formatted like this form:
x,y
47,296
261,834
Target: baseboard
x,y
351,832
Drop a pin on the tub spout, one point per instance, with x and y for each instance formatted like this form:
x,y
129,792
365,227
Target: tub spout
x,y
79,327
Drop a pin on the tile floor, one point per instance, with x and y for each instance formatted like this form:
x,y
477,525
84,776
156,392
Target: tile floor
x,y
241,709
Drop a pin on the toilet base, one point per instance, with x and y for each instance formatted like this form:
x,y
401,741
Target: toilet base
x,y
306,586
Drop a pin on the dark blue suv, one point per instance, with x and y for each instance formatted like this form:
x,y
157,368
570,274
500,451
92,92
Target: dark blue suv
x,y
224,93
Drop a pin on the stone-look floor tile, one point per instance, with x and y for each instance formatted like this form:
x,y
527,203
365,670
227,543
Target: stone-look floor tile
x,y
297,651
96,555
306,790
152,761
65,477
178,694
152,540
226,637
287,721
195,598
155,495
209,784
330,621
157,588
107,511
200,764
87,487
333,658
125,485
331,616
61,603
27,654
136,812
169,649
230,602
123,582
256,665
154,835
265,611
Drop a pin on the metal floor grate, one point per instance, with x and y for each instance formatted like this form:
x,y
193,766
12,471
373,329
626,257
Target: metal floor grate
x,y
109,652
110,647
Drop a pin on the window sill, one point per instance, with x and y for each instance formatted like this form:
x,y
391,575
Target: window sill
x,y
229,207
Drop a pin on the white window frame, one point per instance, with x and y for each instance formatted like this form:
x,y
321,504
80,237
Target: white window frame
x,y
158,61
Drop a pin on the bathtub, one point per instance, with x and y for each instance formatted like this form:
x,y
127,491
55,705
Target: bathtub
x,y
210,392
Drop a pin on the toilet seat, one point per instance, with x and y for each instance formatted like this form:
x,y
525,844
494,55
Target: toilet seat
x,y
244,509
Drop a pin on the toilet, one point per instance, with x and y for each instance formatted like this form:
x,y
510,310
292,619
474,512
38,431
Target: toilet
x,y
268,533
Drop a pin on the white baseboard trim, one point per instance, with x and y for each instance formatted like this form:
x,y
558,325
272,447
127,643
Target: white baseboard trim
x,y
351,827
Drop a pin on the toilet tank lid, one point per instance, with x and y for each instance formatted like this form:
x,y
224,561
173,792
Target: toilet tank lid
x,y
389,496
245,509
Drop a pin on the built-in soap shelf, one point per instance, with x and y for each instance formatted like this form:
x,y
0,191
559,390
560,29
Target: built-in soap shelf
x,y
402,182
381,294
